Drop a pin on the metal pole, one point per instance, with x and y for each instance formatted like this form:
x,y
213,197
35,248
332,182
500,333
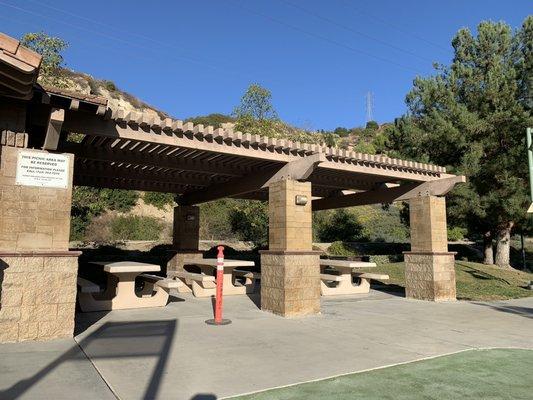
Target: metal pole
x,y
529,131
523,250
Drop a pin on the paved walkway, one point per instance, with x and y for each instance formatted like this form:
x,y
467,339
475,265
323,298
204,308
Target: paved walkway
x,y
169,353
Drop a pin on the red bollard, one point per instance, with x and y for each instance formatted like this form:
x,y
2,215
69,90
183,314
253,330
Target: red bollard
x,y
218,320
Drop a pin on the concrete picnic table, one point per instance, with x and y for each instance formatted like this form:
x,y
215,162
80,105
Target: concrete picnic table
x,y
344,284
120,291
229,288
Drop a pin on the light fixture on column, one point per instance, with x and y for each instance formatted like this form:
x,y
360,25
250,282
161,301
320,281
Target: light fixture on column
x,y
301,200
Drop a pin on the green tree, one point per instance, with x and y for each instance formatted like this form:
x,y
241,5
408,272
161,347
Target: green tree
x,y
159,200
249,220
256,103
51,49
342,132
372,125
471,116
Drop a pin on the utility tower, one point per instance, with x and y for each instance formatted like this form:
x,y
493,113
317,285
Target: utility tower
x,y
369,103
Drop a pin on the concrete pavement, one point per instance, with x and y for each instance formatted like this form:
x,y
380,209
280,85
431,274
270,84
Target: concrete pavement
x,y
170,353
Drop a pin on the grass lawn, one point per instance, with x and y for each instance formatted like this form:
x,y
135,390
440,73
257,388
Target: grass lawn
x,y
474,281
479,374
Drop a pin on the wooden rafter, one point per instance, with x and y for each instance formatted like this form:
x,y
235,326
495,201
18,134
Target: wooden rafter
x,y
389,195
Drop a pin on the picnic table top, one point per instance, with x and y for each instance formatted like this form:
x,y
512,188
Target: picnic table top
x,y
127,266
346,263
212,262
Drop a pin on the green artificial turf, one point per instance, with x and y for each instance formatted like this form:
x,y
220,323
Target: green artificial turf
x,y
478,374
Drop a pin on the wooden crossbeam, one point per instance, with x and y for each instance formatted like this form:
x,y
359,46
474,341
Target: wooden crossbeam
x,y
404,192
299,170
53,131
141,128
126,156
131,184
170,177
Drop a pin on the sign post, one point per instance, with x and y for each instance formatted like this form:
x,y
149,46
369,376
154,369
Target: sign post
x,y
218,320
529,132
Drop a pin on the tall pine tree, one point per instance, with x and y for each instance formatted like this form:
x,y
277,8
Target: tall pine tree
x,y
471,117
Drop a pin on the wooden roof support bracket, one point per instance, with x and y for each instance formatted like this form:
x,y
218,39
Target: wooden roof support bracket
x,y
437,187
57,117
299,169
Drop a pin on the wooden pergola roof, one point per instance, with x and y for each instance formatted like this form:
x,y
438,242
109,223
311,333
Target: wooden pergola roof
x,y
132,150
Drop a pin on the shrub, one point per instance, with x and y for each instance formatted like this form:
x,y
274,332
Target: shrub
x,y
456,233
249,220
134,227
372,125
339,225
340,249
215,221
110,86
158,200
119,199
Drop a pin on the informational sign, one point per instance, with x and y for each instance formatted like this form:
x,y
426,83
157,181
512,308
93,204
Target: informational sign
x,y
42,169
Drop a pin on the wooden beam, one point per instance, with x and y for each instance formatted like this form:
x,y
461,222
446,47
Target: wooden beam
x,y
390,172
93,125
53,131
128,184
298,170
133,157
170,177
389,195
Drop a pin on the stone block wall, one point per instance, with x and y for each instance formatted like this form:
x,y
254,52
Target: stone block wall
x,y
290,283
37,295
37,272
427,218
431,276
429,267
31,218
186,232
289,224
176,258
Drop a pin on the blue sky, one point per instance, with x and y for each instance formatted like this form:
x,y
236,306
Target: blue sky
x,y
319,58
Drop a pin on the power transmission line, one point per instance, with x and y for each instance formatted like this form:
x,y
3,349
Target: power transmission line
x,y
123,41
358,10
349,29
325,39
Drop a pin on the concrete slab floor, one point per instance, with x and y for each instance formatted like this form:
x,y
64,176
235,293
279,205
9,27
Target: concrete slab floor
x,y
170,353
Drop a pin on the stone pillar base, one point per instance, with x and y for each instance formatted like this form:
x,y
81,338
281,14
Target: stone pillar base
x,y
430,275
176,258
290,282
37,295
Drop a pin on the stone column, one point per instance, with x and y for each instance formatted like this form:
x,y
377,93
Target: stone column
x,y
290,270
429,266
186,236
37,271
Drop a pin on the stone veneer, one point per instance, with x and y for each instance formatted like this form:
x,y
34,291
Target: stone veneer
x,y
32,218
185,237
38,295
290,283
37,272
176,258
290,270
429,267
186,232
430,276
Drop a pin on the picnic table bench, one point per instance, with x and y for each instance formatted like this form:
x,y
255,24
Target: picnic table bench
x,y
341,281
203,284
120,291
